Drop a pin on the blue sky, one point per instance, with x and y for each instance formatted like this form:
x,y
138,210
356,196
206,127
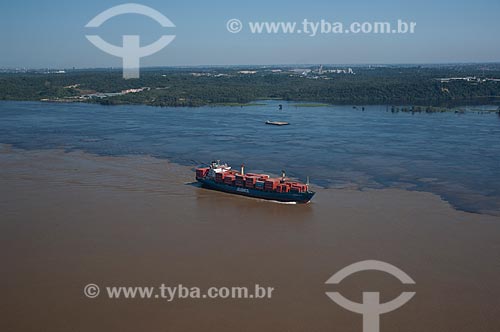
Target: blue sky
x,y
39,34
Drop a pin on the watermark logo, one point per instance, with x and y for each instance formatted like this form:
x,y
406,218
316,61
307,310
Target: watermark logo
x,y
371,308
321,27
179,292
131,52
91,291
234,25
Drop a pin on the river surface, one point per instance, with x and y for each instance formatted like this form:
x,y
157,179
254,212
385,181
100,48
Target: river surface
x,y
456,156
104,195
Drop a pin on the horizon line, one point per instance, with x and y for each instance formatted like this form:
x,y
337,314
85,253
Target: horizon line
x,y
262,65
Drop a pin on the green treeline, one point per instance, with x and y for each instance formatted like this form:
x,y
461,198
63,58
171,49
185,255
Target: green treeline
x,y
180,87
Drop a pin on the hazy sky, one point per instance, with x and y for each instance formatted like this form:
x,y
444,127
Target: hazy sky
x,y
38,34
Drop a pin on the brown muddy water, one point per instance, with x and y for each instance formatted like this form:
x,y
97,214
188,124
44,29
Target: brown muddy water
x,y
70,219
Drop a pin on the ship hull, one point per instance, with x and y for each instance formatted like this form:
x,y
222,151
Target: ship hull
x,y
297,197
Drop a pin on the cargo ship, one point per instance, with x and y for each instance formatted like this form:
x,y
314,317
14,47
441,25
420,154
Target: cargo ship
x,y
221,177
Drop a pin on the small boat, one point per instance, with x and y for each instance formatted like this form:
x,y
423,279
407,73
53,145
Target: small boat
x,y
221,177
277,123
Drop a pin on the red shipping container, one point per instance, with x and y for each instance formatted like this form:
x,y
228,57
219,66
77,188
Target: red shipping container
x,y
271,184
219,177
229,179
201,172
250,181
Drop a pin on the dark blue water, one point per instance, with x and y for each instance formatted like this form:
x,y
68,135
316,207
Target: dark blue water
x,y
454,155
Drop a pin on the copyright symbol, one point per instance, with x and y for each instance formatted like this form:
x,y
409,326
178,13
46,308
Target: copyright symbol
x,y
234,25
91,291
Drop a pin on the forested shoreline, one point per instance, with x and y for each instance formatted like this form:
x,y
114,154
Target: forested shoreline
x,y
390,85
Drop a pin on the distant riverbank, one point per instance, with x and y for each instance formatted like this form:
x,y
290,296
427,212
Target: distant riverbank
x,y
480,109
418,86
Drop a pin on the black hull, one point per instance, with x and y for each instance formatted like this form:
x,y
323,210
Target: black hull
x,y
269,195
